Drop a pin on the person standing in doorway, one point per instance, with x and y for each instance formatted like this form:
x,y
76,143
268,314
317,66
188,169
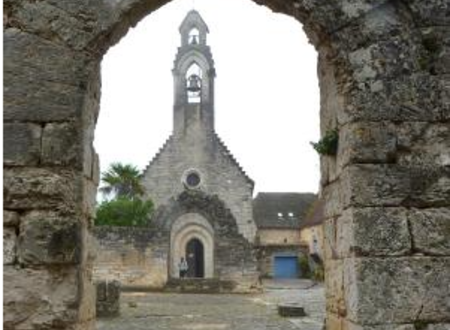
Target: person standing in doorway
x,y
183,267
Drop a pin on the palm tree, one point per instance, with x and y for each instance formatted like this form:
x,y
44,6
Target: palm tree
x,y
122,180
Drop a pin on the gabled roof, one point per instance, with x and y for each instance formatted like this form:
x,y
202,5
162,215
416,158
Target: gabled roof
x,y
281,210
193,18
223,149
315,214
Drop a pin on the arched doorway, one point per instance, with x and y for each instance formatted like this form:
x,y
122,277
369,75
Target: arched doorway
x,y
192,234
195,258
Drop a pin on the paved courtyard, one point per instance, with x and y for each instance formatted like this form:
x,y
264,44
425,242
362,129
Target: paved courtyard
x,y
167,311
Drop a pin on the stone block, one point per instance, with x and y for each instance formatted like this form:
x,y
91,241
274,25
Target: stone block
x,y
291,310
385,59
332,16
96,169
49,238
352,326
87,296
89,198
49,19
88,157
39,299
394,185
62,145
44,81
442,326
330,248
40,188
335,322
441,63
400,290
333,195
430,229
335,299
373,231
108,298
330,169
382,22
10,219
9,245
430,186
367,143
430,13
86,325
415,97
423,144
22,143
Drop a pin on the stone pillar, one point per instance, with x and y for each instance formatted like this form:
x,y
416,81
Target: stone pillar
x,y
50,104
387,191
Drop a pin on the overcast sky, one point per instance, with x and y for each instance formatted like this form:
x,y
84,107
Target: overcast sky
x,y
267,95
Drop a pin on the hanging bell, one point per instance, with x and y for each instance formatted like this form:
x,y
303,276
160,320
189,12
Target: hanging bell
x,y
194,40
194,84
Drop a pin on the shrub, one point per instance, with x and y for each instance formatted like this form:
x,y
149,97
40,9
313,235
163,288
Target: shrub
x,y
328,145
124,212
318,274
304,267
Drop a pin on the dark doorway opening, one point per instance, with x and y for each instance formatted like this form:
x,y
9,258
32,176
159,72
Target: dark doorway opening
x,y
195,258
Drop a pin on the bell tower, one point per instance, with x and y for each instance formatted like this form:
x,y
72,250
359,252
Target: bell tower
x,y
193,75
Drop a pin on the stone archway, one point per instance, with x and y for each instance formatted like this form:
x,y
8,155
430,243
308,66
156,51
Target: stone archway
x,y
384,79
185,228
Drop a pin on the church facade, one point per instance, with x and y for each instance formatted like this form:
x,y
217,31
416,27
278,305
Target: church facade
x,y
194,157
195,165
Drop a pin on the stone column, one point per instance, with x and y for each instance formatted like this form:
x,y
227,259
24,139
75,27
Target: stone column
x,y
50,174
384,85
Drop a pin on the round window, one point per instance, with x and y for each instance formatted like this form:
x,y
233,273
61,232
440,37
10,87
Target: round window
x,y
193,179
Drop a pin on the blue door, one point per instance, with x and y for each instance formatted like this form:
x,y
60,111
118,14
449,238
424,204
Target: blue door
x,y
285,267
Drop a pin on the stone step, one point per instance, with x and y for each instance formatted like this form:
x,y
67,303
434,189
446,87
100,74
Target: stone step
x,y
198,285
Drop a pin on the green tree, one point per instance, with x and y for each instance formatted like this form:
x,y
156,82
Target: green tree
x,y
122,180
124,211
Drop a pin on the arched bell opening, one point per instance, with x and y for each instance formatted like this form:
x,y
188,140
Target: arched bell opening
x,y
194,83
194,35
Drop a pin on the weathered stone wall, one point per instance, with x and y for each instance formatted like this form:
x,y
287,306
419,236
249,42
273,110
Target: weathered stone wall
x,y
278,236
314,239
146,257
384,86
135,257
385,83
51,97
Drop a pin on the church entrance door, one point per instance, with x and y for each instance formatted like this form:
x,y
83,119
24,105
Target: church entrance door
x,y
195,258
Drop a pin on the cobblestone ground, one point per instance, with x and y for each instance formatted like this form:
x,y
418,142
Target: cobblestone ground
x,y
167,311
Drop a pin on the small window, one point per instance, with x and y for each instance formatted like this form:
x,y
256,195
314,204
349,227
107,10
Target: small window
x,y
193,180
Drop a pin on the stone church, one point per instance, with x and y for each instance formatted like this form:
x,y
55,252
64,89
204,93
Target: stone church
x,y
203,197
